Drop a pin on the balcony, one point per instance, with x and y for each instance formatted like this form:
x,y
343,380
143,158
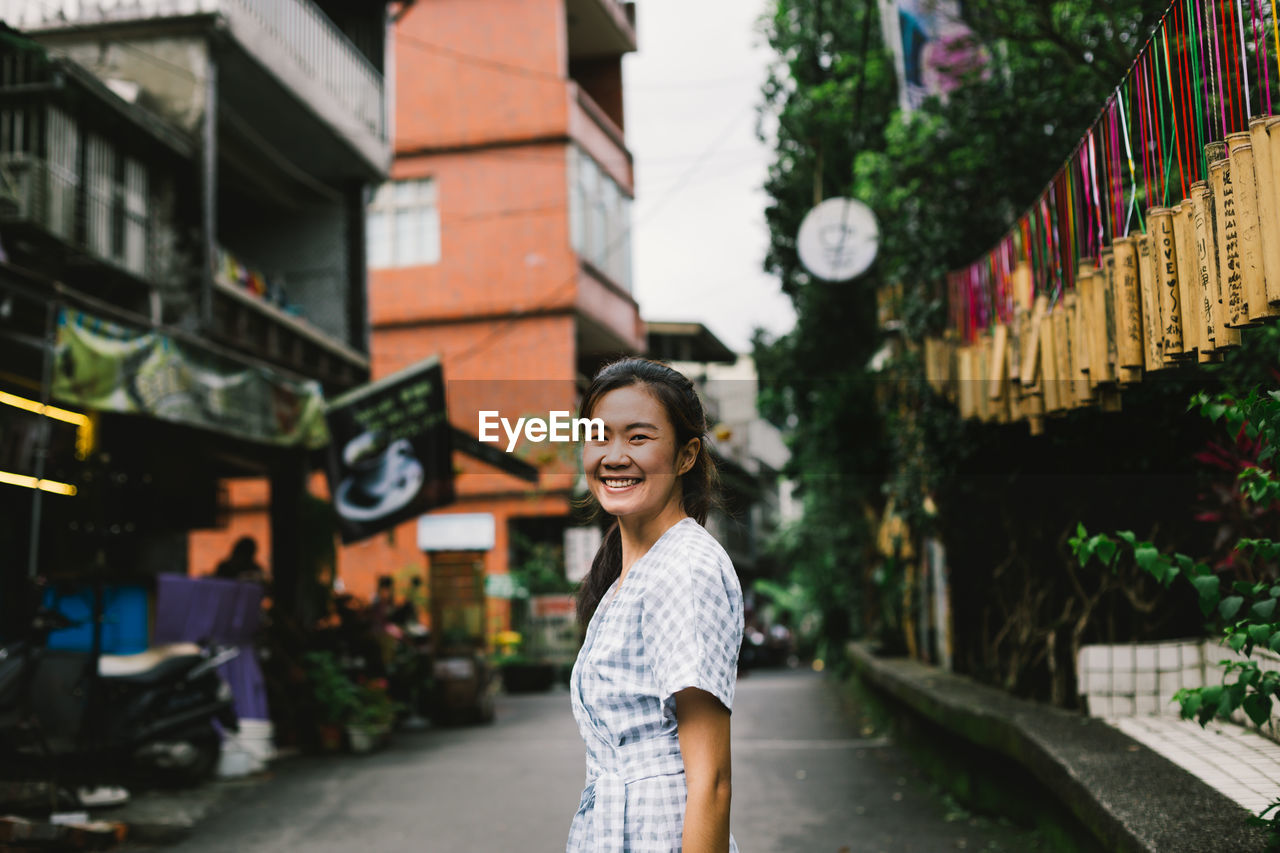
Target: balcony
x,y
600,28
285,46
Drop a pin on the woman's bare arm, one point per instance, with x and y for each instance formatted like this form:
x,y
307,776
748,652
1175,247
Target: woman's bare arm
x,y
703,728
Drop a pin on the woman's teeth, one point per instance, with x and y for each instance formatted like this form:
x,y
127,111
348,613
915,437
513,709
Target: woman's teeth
x,y
619,483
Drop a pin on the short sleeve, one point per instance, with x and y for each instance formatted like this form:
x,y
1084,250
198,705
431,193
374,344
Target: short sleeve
x,y
692,623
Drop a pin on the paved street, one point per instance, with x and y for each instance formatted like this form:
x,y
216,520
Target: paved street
x,y
803,781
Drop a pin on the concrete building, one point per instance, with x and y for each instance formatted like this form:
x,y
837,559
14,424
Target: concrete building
x,y
185,182
502,241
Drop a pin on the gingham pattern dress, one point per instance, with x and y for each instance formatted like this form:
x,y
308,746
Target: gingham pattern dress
x,y
676,622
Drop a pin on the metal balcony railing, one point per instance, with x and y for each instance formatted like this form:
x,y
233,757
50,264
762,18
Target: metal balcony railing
x,y
301,30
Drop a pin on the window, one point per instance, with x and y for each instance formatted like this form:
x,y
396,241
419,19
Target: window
x,y
599,218
117,217
404,225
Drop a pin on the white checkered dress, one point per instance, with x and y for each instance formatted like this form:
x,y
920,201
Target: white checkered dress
x,y
676,623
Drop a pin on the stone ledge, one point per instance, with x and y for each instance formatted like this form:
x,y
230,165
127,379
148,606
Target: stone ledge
x,y
1128,796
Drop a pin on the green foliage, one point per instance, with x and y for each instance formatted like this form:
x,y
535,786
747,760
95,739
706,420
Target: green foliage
x,y
945,183
1242,611
341,701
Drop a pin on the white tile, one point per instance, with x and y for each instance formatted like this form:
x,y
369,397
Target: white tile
x,y
1144,682
1146,658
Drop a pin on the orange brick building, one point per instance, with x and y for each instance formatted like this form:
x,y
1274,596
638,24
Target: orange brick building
x,y
501,243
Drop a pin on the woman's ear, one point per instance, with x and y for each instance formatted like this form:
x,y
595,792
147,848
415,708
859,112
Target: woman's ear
x,y
688,455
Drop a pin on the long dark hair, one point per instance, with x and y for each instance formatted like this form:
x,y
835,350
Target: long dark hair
x,y
698,485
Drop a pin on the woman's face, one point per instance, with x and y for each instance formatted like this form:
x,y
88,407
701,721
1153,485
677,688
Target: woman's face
x,y
635,470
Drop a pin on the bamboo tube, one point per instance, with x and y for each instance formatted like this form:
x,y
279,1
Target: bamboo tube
x,y
1062,352
1161,223
1207,268
1189,297
1230,277
998,372
1070,372
1107,295
1093,290
1127,306
1268,216
1272,237
1049,364
1149,286
1022,287
1013,357
1109,399
1084,319
1224,335
964,372
1252,261
1080,343
981,403
1030,373
1030,386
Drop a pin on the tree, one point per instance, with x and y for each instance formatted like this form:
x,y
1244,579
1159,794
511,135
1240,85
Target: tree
x,y
945,183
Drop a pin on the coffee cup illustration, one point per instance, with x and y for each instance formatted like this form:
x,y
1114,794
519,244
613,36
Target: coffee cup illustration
x,y
381,476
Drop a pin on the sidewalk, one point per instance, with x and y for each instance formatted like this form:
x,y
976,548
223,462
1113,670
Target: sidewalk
x,y
1129,796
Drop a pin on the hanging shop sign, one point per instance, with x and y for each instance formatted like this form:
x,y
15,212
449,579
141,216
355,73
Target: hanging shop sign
x,y
838,239
390,457
103,365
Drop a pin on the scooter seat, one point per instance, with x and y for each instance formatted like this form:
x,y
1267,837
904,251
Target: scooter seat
x,y
124,666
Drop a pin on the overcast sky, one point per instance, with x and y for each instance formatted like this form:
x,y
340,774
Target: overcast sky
x,y
699,234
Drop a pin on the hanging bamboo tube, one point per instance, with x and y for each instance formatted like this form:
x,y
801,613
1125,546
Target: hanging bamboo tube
x,y
1107,296
1165,248
1189,294
1072,380
1030,380
1224,336
1127,308
1062,351
1013,363
1085,284
977,380
1271,236
1252,262
1049,364
1268,217
1149,285
1030,373
1020,281
998,374
964,374
1080,338
1207,268
1230,277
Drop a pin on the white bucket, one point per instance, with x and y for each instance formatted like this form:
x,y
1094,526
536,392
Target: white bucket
x,y
248,750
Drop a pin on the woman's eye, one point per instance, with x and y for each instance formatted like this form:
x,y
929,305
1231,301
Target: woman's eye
x,y
639,438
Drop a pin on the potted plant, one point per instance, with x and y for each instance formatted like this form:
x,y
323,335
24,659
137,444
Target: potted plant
x,y
336,698
370,722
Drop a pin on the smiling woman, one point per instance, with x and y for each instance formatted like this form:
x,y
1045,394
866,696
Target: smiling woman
x,y
653,685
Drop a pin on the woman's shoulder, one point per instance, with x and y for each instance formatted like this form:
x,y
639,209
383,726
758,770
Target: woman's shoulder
x,y
694,554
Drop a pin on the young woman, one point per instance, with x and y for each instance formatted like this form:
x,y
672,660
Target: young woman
x,y
653,685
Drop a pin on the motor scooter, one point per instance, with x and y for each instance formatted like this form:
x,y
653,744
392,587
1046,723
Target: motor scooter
x,y
138,719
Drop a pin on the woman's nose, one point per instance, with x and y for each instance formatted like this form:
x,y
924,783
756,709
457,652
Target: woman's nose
x,y
616,454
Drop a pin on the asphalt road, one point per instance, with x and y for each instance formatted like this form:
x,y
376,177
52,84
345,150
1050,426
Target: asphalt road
x,y
805,778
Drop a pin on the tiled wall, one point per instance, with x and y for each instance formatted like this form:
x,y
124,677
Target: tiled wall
x,y
1140,679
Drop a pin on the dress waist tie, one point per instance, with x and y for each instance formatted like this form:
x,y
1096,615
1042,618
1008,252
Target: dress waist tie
x,y
644,759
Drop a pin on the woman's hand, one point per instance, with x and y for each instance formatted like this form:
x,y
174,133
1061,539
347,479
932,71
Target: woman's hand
x,y
703,728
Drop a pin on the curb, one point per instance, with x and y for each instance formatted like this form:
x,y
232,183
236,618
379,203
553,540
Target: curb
x,y
1129,797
